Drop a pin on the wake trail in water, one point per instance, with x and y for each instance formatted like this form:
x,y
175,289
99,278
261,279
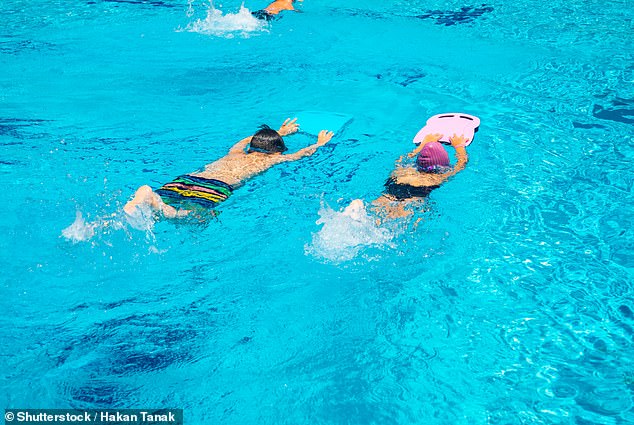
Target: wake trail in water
x,y
82,231
227,25
344,234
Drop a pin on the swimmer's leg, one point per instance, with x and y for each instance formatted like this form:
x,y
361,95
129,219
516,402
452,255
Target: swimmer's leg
x,y
146,196
389,208
356,210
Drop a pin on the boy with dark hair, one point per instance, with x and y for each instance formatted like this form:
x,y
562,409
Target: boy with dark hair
x,y
218,180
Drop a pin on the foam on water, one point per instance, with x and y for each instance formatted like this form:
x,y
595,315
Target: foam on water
x,y
228,25
346,233
82,231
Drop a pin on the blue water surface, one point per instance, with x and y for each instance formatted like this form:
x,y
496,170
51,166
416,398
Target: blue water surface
x,y
506,299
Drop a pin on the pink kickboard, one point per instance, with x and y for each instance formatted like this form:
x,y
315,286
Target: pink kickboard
x,y
449,124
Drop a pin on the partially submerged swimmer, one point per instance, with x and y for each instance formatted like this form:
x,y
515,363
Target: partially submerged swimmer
x,y
218,180
407,184
271,11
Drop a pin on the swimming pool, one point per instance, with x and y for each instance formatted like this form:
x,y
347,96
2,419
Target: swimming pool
x,y
510,302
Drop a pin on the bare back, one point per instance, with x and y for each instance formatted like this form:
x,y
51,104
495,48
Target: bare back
x,y
238,165
235,168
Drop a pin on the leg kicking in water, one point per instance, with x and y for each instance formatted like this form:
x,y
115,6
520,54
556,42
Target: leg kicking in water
x,y
146,196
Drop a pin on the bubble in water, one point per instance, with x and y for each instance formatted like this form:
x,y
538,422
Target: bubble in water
x,y
344,234
227,25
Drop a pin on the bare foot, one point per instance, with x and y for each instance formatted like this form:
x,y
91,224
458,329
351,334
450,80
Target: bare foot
x,y
355,210
143,195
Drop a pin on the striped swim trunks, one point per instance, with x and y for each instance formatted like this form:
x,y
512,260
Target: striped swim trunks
x,y
186,190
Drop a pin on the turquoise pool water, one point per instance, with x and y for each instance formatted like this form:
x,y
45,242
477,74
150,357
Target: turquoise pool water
x,y
511,301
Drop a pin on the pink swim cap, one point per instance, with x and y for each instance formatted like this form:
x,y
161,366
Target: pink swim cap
x,y
432,158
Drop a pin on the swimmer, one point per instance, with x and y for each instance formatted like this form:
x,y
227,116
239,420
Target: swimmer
x,y
217,181
407,185
273,9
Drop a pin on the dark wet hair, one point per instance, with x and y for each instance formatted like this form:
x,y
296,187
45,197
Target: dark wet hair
x,y
267,140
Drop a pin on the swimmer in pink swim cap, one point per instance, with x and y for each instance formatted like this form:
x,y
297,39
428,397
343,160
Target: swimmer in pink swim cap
x,y
408,184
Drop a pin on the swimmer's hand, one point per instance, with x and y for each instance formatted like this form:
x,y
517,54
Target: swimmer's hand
x,y
324,137
458,141
432,138
428,139
289,126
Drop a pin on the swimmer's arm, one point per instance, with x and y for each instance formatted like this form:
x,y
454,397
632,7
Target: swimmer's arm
x,y
240,146
323,138
412,153
458,143
429,138
401,158
307,151
274,9
463,158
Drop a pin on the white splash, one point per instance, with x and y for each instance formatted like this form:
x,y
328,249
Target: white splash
x,y
346,233
228,25
143,218
81,230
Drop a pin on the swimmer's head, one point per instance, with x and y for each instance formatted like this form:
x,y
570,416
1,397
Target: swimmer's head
x,y
267,140
432,158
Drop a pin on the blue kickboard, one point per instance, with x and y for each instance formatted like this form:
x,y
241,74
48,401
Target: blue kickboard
x,y
312,122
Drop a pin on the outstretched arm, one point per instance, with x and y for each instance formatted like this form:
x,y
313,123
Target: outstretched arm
x,y
240,146
458,143
429,138
323,138
278,5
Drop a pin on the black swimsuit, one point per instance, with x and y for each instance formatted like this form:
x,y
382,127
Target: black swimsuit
x,y
406,191
263,15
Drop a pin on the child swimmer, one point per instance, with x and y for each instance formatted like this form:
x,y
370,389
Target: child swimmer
x,y
220,178
273,9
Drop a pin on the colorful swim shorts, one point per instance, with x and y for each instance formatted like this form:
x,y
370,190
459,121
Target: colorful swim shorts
x,y
200,191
